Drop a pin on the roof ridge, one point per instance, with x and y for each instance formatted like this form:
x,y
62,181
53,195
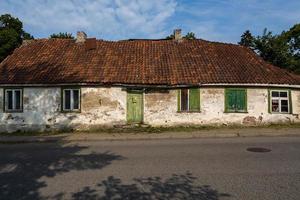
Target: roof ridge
x,y
140,39
224,43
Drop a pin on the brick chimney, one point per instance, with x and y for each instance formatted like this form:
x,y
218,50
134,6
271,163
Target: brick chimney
x,y
177,35
26,42
81,37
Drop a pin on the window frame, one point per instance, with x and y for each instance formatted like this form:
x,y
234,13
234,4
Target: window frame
x,y
226,110
288,98
188,101
71,99
5,103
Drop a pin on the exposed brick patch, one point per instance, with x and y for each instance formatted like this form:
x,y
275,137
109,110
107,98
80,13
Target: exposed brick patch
x,y
249,120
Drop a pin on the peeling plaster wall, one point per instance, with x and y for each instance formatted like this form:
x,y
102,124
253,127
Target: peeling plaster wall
x,y
42,110
107,107
40,105
103,106
296,102
161,109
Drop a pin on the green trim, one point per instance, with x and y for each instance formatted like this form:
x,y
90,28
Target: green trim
x,y
62,100
226,101
4,100
269,101
290,102
289,97
178,100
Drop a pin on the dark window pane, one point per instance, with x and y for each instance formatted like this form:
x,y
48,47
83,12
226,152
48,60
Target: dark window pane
x,y
284,102
283,94
17,99
76,99
275,94
184,100
284,106
9,100
275,105
67,100
284,109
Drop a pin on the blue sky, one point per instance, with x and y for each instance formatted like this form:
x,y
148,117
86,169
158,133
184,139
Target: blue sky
x,y
216,20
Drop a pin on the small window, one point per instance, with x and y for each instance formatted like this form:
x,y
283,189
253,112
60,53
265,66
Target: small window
x,y
235,100
189,100
13,100
71,99
279,101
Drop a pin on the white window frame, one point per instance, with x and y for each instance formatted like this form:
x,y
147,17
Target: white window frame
x,y
279,100
71,100
13,100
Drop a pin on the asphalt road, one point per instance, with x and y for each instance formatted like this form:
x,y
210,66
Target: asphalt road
x,y
205,169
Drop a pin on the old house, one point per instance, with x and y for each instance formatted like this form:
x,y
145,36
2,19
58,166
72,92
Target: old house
x,y
85,83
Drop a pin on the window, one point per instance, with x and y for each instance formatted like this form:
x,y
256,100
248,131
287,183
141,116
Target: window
x,y
71,99
13,100
279,101
189,100
235,100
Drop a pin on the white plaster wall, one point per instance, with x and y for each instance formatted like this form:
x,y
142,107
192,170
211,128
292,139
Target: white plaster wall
x,y
40,104
107,107
103,106
42,110
161,109
296,102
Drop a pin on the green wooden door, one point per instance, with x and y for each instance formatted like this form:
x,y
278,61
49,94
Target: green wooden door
x,y
134,107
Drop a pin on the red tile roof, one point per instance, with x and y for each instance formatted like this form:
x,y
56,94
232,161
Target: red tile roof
x,y
142,62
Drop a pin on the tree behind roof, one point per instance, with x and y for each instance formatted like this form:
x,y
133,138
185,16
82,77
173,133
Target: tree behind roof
x,y
282,50
62,35
188,36
11,35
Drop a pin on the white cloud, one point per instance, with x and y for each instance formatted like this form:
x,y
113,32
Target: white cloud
x,y
219,20
226,20
114,19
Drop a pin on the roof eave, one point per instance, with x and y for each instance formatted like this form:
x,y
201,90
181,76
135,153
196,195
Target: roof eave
x,y
165,86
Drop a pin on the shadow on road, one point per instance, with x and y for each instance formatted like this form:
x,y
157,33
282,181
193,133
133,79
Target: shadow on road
x,y
20,171
151,188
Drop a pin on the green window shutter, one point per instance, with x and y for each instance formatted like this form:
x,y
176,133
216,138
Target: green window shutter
x,y
194,99
235,100
240,100
178,100
230,96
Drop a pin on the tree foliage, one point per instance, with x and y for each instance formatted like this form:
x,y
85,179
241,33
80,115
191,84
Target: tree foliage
x,y
247,39
282,50
11,35
188,36
62,35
